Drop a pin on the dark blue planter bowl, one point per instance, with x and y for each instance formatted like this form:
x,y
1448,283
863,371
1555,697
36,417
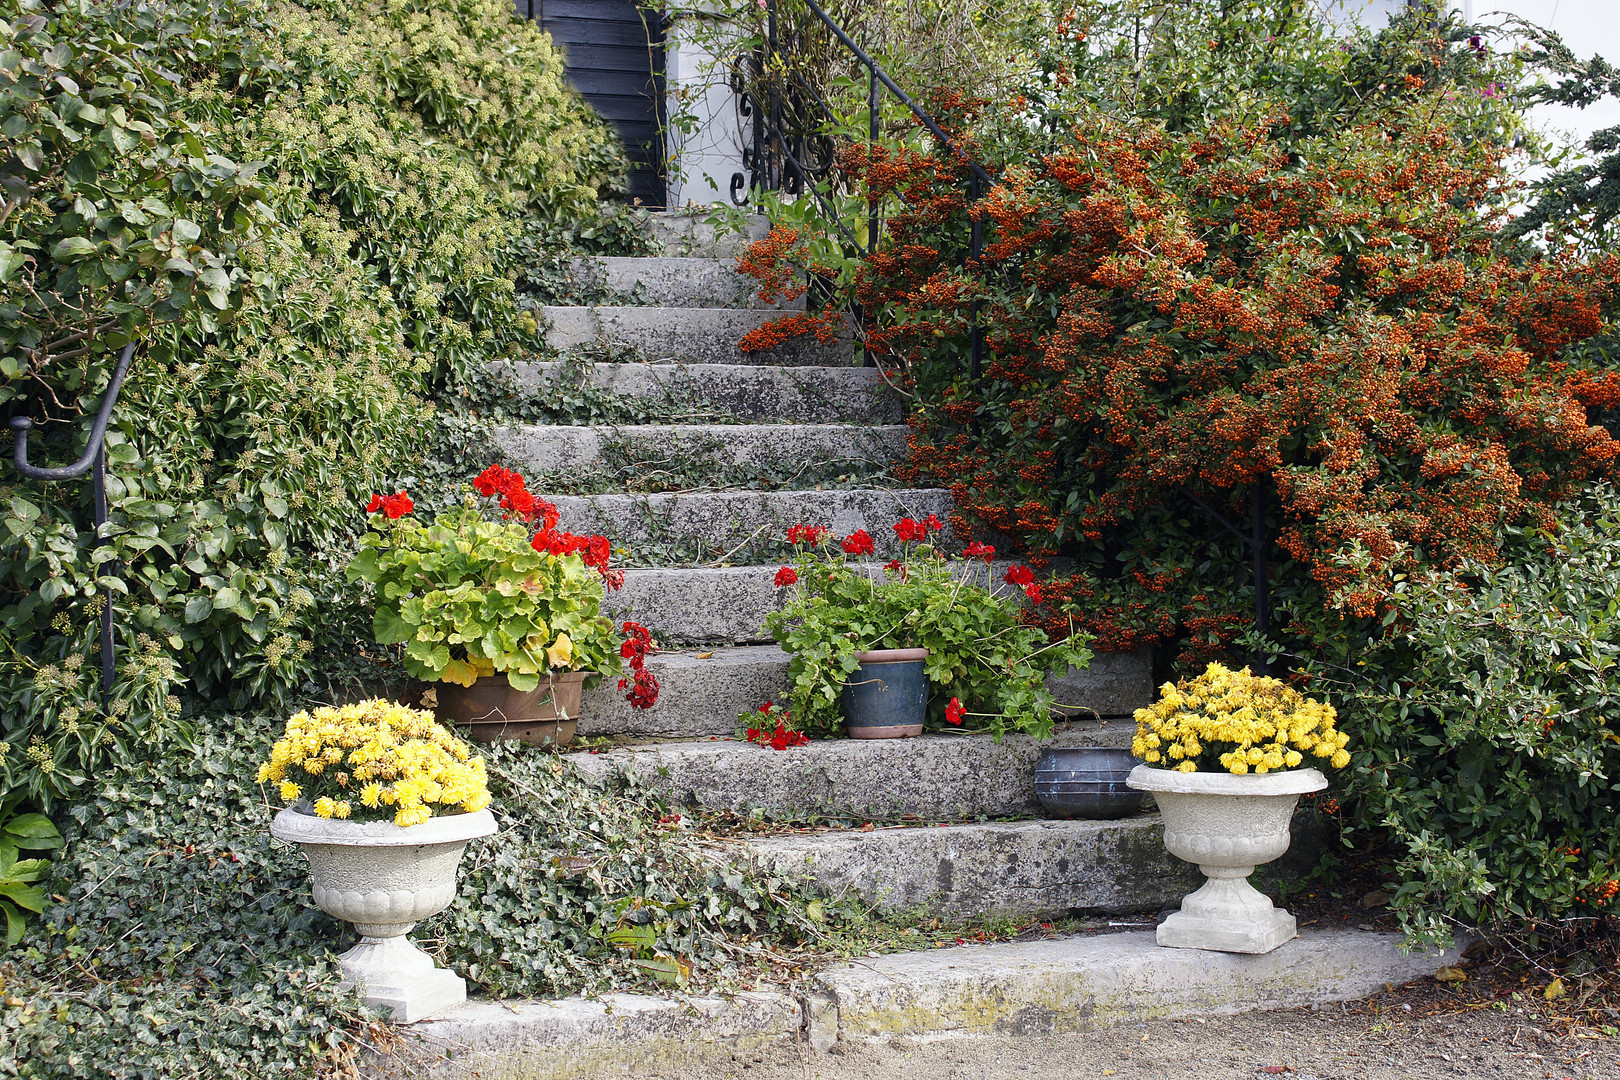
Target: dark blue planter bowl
x,y
1086,782
887,696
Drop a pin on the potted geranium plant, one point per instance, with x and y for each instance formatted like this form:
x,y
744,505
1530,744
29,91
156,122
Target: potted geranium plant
x,y
501,610
891,648
1225,756
383,801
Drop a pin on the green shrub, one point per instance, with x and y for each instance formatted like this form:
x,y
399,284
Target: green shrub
x,y
1485,741
312,217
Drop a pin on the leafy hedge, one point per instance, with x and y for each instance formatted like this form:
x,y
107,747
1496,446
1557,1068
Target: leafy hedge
x,y
311,217
185,942
1484,711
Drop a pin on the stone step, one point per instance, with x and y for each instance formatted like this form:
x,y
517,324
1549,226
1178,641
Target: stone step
x,y
705,690
1037,991
701,693
688,335
703,526
679,282
1089,981
943,777
785,450
799,395
693,233
1019,869
720,603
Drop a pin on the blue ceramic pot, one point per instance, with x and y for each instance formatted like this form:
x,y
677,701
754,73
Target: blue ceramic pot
x,y
1086,781
887,696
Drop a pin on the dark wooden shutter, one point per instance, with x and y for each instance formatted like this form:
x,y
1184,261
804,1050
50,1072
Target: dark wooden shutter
x,y
614,51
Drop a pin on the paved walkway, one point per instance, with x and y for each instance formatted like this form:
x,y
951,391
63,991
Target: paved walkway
x,y
1392,1043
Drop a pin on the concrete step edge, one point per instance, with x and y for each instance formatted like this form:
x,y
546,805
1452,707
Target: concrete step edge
x,y
705,690
1017,869
1064,985
937,777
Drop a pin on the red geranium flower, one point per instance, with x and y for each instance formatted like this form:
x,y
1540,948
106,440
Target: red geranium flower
x,y
490,481
977,550
1033,592
375,504
397,506
954,711
933,522
786,576
809,535
859,543
909,531
1018,575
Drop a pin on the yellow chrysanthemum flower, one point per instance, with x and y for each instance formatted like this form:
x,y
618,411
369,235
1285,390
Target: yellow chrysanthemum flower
x,y
370,743
1246,723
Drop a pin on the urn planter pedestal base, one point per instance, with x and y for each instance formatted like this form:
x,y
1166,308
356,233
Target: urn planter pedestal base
x,y
394,974
1228,825
1229,915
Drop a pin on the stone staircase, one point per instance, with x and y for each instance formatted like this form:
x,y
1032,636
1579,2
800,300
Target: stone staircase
x,y
799,434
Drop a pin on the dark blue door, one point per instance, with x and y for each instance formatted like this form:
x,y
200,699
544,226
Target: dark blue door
x,y
614,51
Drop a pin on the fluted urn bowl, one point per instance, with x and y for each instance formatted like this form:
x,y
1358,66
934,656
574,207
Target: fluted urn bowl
x,y
1228,825
385,878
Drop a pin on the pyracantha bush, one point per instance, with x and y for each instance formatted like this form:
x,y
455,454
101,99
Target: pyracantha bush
x,y
1306,299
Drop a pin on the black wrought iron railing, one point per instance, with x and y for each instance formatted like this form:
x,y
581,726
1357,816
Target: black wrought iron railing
x,y
94,461
792,150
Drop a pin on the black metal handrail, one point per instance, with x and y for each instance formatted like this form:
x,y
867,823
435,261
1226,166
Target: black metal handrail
x,y
771,132
94,457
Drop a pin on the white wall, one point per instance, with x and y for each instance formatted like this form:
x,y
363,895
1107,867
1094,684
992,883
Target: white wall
x,y
703,161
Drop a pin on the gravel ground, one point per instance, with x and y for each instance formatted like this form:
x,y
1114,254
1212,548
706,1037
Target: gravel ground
x,y
1381,1039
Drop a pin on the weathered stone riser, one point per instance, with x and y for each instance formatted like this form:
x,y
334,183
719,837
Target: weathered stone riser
x,y
672,281
945,777
688,233
799,395
719,522
1022,869
688,335
778,448
727,603
703,697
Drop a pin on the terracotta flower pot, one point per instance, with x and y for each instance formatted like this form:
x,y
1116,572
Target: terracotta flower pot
x,y
887,696
384,879
1228,825
490,709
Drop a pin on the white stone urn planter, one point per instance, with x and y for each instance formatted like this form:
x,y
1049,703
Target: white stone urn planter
x,y
384,878
1228,825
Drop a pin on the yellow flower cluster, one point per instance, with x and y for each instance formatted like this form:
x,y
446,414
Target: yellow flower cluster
x,y
1249,723
376,754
